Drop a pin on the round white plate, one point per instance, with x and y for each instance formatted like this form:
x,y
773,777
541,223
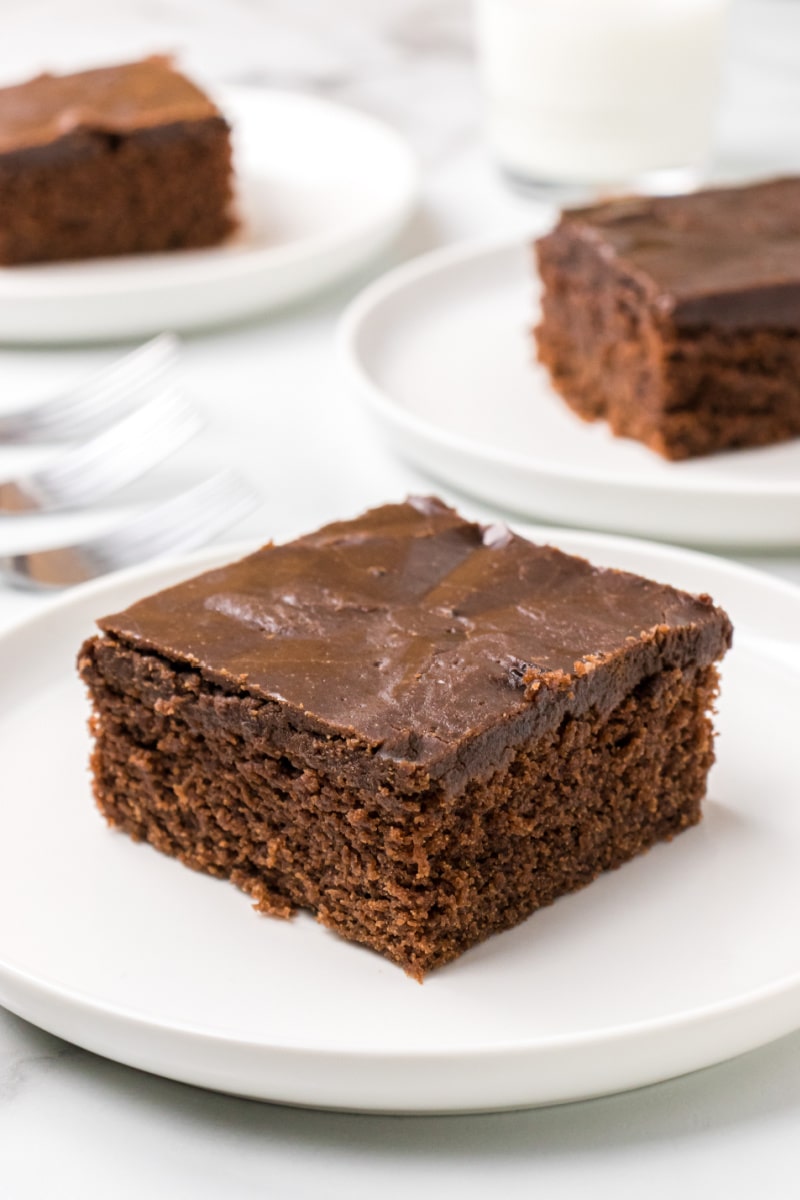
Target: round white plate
x,y
321,189
682,958
441,351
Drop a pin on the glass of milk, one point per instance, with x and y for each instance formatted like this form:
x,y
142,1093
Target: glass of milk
x,y
601,92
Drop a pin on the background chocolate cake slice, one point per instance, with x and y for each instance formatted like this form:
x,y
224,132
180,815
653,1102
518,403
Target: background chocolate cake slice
x,y
677,318
418,728
117,160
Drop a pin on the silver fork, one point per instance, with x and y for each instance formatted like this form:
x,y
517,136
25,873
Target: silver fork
x,y
85,473
96,403
187,520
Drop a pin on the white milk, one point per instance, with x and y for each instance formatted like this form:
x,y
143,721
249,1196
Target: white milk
x,y
592,91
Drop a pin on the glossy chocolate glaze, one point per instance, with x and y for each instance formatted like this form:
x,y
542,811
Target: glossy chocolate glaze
x,y
726,257
139,95
417,634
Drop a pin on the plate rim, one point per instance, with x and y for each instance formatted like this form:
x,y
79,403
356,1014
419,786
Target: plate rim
x,y
738,1005
368,302
603,1036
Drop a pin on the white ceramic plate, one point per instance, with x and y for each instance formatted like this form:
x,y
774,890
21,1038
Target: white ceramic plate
x,y
686,956
321,189
441,351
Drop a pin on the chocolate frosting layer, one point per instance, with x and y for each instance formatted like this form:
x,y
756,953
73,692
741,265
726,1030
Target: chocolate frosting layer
x,y
726,257
418,634
119,99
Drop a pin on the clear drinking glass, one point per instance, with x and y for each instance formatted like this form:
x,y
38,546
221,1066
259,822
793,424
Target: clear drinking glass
x,y
601,92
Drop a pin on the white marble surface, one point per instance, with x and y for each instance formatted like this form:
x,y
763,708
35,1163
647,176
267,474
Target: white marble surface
x,y
72,1125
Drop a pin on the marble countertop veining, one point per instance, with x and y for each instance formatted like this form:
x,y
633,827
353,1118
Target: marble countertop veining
x,y
73,1125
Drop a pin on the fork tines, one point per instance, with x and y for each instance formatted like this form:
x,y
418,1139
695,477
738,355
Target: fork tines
x,y
96,403
87,472
181,523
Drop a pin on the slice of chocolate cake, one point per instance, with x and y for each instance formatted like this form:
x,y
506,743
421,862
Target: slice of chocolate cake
x,y
677,318
418,728
118,160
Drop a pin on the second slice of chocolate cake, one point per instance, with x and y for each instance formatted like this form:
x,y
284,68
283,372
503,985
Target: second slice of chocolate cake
x,y
415,727
677,318
129,159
